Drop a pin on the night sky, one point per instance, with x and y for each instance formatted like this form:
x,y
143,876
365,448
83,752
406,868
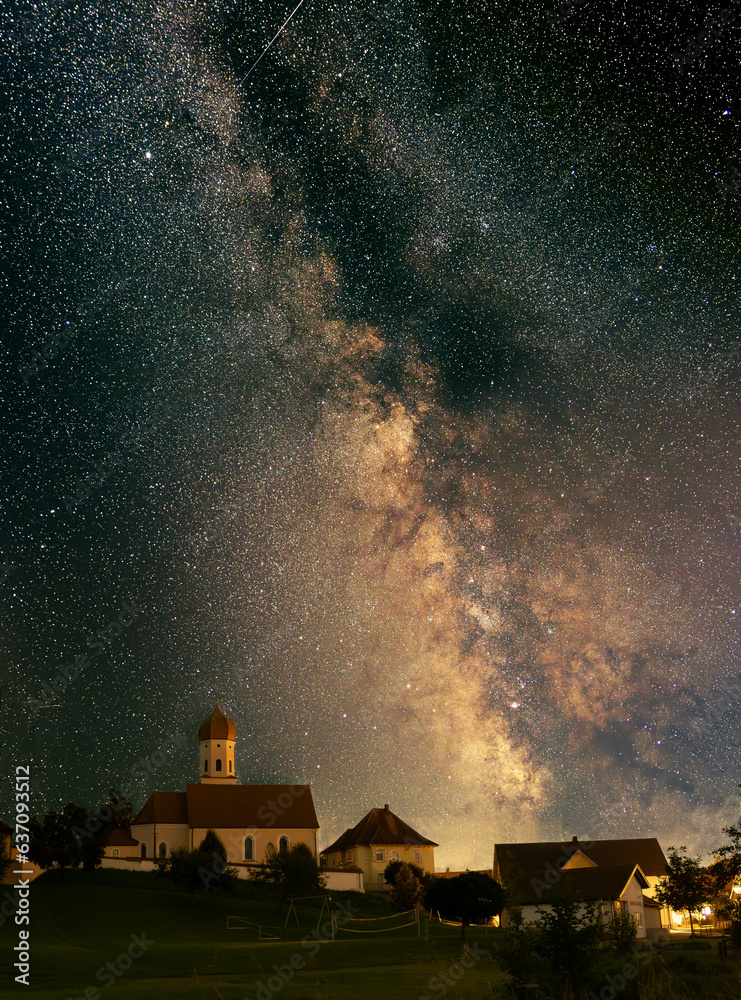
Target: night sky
x,y
397,383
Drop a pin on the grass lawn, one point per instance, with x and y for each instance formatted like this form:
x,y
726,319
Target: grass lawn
x,y
88,920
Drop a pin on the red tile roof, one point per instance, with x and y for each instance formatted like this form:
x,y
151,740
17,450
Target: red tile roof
x,y
164,807
379,827
121,838
233,807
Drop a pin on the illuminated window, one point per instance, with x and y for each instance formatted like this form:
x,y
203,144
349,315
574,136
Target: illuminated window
x,y
218,763
394,856
114,854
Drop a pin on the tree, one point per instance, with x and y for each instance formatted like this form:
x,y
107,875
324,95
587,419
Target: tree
x,y
408,886
211,844
392,869
728,866
564,948
61,840
686,885
5,856
200,870
470,898
295,869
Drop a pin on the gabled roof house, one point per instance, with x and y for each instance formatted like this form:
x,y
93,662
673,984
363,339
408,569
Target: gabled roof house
x,y
378,839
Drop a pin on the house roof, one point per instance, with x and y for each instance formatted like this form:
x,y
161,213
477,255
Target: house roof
x,y
379,827
589,884
121,838
644,851
232,806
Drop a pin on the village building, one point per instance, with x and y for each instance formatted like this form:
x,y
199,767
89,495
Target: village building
x,y
378,839
616,875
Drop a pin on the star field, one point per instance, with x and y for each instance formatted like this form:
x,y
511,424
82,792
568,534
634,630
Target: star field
x,y
398,384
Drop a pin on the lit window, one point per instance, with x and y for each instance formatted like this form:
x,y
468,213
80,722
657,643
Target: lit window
x,y
394,856
114,854
218,763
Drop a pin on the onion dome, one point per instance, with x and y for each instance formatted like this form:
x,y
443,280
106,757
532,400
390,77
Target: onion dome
x,y
217,727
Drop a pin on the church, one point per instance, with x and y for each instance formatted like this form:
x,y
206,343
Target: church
x,y
251,821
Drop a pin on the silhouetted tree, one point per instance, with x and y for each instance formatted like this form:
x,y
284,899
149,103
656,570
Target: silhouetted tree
x,y
686,885
392,869
295,869
200,870
60,840
407,888
470,898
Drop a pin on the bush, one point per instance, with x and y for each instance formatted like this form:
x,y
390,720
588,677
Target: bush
x,y
621,933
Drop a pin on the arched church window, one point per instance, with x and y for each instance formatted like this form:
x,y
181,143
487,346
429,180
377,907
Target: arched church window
x,y
114,854
163,849
218,763
142,850
249,848
283,845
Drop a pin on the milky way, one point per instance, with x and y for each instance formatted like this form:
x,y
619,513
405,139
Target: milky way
x,y
397,383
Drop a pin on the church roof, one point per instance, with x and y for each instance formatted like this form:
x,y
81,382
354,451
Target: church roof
x,y
643,851
217,727
232,807
379,826
164,807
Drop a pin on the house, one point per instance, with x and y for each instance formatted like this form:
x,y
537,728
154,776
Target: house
x,y
378,839
250,820
617,875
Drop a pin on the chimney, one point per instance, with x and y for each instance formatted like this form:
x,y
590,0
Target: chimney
x,y
386,807
573,840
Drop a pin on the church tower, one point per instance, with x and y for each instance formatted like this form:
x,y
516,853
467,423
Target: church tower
x,y
216,741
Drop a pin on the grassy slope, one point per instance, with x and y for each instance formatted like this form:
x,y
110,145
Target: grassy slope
x,y
78,926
